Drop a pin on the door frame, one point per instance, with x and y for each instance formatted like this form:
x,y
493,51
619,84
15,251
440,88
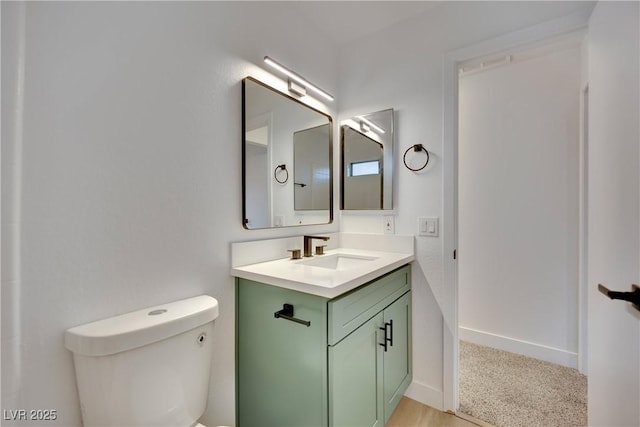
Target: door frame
x,y
583,224
531,36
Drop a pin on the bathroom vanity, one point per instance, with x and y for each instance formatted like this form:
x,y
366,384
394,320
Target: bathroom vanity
x,y
340,356
324,340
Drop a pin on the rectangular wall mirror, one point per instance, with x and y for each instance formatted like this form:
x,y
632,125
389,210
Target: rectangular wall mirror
x,y
366,176
287,156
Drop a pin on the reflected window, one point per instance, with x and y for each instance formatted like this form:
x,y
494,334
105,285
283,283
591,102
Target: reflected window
x,y
371,167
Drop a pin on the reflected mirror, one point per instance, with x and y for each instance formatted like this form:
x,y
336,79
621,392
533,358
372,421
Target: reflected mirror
x,y
367,162
286,154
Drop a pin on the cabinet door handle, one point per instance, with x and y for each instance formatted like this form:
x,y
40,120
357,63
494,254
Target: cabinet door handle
x,y
388,335
384,341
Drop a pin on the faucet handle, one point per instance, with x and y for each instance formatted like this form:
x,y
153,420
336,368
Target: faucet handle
x,y
320,249
295,253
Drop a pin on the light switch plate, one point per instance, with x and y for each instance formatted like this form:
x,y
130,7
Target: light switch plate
x,y
428,226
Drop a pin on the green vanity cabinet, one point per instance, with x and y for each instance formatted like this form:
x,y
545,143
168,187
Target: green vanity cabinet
x,y
369,378
334,372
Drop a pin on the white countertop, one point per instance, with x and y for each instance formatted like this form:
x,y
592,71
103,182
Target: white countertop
x,y
324,282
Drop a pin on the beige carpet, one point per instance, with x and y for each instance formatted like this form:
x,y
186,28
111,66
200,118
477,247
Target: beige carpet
x,y
509,390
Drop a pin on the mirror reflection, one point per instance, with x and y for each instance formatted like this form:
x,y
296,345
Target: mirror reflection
x,y
367,161
312,173
287,170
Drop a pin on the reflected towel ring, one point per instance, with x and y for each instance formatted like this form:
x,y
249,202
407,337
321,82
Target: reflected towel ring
x,y
416,148
275,173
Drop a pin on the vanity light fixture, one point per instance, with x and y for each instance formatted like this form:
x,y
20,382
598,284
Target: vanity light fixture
x,y
297,89
364,121
297,78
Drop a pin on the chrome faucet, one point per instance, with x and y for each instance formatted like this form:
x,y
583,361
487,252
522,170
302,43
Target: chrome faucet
x,y
307,244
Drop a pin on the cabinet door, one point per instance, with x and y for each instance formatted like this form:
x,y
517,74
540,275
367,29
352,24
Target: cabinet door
x,y
355,387
397,358
281,365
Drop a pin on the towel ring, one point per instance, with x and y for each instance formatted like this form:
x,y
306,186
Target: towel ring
x,y
416,148
275,173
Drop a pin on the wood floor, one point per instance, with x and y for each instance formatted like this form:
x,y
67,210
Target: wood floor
x,y
410,413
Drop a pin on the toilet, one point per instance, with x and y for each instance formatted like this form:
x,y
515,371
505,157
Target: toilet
x,y
146,368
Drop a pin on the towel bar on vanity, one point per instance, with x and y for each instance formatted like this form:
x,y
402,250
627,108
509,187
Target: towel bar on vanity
x,y
287,314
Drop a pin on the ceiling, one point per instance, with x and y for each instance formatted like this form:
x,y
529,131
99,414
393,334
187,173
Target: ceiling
x,y
345,21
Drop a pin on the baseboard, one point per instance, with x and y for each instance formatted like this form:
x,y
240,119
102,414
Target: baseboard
x,y
541,352
425,394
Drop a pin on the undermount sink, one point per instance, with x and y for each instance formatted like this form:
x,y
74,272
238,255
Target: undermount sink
x,y
338,261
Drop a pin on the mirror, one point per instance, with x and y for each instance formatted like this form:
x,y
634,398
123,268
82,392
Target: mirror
x,y
287,174
367,162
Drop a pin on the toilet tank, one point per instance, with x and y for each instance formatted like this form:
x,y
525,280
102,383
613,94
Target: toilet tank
x,y
146,368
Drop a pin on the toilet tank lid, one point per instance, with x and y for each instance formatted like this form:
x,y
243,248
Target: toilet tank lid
x,y
142,327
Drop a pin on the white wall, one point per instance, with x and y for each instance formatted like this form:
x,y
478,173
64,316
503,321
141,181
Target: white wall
x,y
129,185
518,205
